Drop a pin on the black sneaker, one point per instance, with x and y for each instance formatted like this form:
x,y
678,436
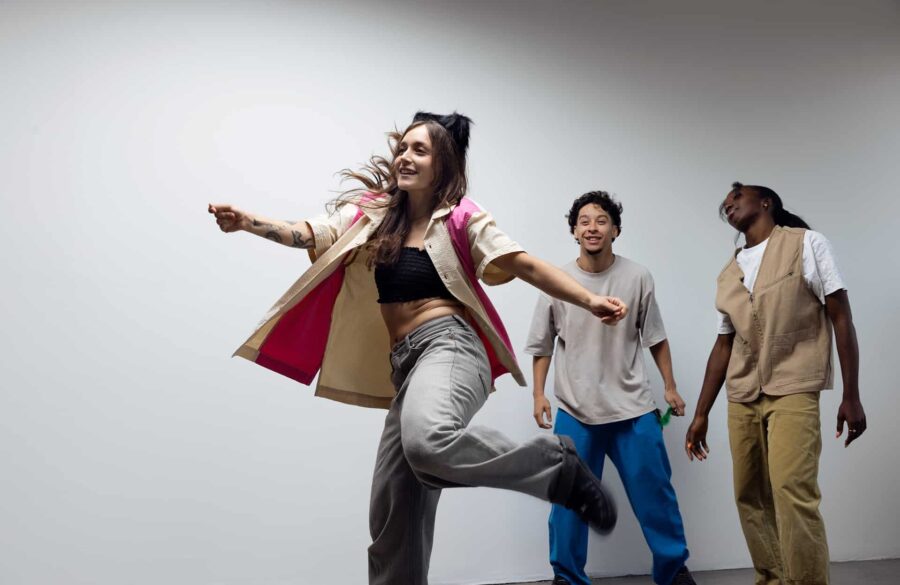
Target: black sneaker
x,y
587,497
683,577
557,580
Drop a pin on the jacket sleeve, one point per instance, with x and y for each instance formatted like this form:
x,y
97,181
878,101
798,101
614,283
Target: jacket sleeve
x,y
487,243
328,227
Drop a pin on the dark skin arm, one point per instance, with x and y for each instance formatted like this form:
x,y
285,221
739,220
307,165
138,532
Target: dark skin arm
x,y
716,367
837,307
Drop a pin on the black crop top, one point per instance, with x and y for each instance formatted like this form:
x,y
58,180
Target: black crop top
x,y
411,278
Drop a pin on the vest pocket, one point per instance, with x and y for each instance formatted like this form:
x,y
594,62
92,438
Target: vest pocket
x,y
778,280
741,380
784,342
794,357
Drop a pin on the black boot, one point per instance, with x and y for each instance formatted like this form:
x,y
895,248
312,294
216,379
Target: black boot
x,y
579,490
683,577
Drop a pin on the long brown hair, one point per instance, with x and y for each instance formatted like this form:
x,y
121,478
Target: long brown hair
x,y
379,176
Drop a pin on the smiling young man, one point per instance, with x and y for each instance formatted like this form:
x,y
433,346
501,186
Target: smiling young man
x,y
606,404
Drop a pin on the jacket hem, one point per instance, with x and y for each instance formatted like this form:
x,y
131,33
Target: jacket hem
x,y
354,398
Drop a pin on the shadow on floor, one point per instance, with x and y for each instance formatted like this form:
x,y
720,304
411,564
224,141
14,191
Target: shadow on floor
x,y
885,572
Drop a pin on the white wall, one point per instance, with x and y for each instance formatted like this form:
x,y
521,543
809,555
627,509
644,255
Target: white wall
x,y
133,450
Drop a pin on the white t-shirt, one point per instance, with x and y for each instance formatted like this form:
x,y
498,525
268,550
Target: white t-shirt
x,y
820,270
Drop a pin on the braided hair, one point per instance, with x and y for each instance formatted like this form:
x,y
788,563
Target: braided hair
x,y
780,215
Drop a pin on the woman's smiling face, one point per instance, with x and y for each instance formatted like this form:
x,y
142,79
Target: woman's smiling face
x,y
414,163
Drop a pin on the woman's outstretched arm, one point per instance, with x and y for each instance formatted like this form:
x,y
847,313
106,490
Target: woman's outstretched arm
x,y
231,219
560,285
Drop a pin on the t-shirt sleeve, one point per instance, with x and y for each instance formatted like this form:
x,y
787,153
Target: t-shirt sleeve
x,y
725,324
542,335
650,321
488,243
821,270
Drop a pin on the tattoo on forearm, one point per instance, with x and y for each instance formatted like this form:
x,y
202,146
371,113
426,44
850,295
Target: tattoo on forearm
x,y
282,233
300,241
265,224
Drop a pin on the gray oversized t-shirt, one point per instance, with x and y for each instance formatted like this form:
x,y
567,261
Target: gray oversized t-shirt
x,y
599,370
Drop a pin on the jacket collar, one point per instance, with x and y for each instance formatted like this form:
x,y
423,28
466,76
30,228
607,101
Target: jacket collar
x,y
376,213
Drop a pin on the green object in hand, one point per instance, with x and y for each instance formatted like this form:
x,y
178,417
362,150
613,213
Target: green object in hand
x,y
664,419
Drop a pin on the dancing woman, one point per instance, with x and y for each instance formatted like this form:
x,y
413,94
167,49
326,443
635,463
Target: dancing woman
x,y
410,240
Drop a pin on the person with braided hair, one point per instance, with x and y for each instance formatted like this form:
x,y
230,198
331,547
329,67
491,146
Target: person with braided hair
x,y
411,240
779,299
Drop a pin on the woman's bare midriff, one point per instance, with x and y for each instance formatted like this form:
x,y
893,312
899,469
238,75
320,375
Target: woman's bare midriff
x,y
403,318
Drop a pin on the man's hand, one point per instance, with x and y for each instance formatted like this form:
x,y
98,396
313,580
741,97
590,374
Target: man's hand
x,y
851,412
542,411
695,440
673,399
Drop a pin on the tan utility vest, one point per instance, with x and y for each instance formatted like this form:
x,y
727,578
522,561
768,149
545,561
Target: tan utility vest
x,y
782,341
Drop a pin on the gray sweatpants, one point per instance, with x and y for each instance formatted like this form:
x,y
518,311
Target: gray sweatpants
x,y
442,378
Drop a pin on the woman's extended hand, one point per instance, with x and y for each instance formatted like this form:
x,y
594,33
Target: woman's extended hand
x,y
229,218
611,310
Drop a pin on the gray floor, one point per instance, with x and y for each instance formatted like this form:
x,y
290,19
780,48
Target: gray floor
x,y
856,573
